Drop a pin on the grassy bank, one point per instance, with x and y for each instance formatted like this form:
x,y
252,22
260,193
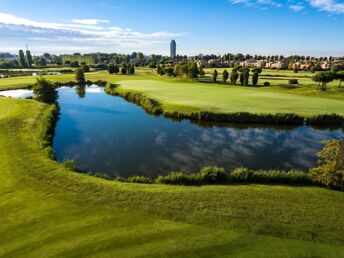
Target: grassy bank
x,y
187,98
47,211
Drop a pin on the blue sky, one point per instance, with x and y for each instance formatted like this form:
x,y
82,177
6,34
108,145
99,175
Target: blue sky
x,y
307,27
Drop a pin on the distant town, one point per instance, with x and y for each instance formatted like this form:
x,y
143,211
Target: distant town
x,y
99,60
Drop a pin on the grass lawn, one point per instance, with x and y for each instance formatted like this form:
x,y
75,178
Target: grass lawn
x,y
47,211
188,97
185,96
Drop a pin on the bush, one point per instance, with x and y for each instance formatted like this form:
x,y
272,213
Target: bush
x,y
45,91
140,180
244,117
331,165
293,81
213,175
240,175
101,175
266,83
179,178
326,119
149,105
69,164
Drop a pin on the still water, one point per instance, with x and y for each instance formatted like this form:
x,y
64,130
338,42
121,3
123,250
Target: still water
x,y
107,134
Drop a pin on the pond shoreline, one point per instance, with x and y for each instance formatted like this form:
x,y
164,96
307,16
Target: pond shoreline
x,y
153,107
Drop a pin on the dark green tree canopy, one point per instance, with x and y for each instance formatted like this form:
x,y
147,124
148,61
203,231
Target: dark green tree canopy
x,y
80,76
44,91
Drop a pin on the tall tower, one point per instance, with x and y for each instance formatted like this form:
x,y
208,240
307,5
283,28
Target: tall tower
x,y
173,49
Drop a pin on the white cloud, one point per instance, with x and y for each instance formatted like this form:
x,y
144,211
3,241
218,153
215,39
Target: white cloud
x,y
261,4
330,6
89,21
296,7
82,34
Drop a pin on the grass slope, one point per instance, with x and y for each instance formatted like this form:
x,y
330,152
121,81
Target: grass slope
x,y
47,211
190,97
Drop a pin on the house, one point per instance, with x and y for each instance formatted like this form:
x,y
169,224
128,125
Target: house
x,y
276,65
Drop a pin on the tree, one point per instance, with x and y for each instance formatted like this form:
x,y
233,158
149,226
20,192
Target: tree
x,y
85,68
177,70
111,69
201,72
215,75
184,69
131,70
80,76
28,58
324,78
312,69
169,71
74,64
193,70
241,78
225,76
244,76
40,62
331,169
255,76
234,76
124,70
116,69
44,91
296,68
22,61
81,91
339,76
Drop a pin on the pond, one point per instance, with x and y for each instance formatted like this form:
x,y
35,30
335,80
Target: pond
x,y
109,135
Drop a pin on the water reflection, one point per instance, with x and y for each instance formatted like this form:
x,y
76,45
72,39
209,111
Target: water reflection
x,y
107,134
22,94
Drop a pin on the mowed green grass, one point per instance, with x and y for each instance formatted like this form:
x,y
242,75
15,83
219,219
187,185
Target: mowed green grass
x,y
47,211
24,81
190,97
176,94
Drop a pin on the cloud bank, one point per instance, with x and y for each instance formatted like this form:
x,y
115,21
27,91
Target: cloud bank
x,y
79,33
329,6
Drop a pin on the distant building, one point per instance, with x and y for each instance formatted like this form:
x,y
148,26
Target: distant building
x,y
173,49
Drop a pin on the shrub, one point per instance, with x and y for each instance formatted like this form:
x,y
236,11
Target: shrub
x,y
293,81
244,117
213,175
80,76
240,175
149,105
140,179
102,175
331,169
69,164
326,119
179,178
45,91
266,83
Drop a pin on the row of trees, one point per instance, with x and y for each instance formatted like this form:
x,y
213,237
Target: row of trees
x,y
125,69
241,73
192,71
25,61
323,78
271,58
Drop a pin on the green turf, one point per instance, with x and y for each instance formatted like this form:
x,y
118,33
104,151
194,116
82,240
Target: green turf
x,y
47,211
189,97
